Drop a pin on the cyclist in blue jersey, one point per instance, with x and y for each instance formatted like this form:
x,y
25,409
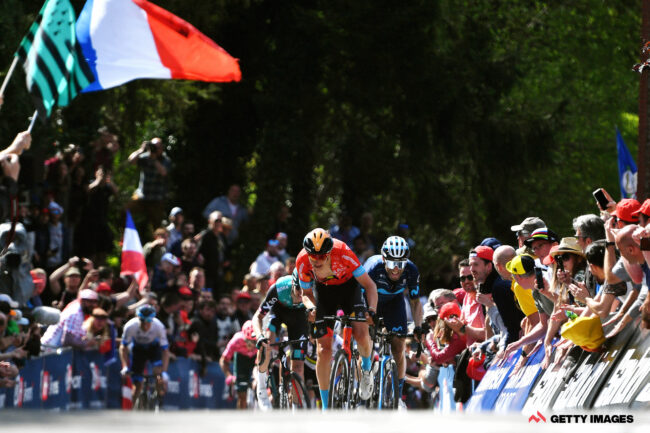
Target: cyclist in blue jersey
x,y
284,304
147,338
395,275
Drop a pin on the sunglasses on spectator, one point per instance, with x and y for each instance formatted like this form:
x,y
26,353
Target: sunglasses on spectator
x,y
466,277
453,316
317,256
101,317
566,256
392,264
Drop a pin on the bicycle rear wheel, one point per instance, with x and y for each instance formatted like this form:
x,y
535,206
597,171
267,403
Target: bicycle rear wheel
x,y
297,392
390,386
339,382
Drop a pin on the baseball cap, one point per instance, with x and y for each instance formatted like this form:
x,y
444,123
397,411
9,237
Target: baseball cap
x,y
644,209
482,252
88,294
244,295
175,211
103,287
541,234
55,208
281,235
626,210
493,243
521,265
170,258
448,309
37,277
185,292
8,300
72,271
428,311
528,225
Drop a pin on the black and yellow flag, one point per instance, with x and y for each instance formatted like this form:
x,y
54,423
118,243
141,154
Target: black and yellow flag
x,y
52,59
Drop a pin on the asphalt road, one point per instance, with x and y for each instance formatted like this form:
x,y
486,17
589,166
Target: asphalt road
x,y
26,421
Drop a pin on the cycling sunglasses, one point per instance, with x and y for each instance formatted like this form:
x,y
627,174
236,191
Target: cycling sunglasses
x,y
466,277
392,264
317,256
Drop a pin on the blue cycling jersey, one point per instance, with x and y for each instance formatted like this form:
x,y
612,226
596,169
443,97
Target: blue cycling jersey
x,y
387,289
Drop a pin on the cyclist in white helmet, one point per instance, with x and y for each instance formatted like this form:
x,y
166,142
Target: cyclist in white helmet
x,y
394,274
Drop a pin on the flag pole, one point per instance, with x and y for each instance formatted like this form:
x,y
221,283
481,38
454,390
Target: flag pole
x,y
33,119
8,76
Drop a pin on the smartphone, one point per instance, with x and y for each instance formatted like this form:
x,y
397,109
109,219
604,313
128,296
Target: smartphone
x,y
539,277
645,244
601,199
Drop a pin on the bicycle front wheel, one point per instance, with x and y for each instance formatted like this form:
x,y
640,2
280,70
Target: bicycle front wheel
x,y
390,386
339,382
297,392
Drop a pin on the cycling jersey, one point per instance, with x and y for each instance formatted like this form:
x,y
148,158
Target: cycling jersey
x,y
343,262
237,344
134,334
279,293
387,288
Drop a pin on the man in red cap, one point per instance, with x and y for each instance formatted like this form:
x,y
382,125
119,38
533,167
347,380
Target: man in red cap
x,y
494,290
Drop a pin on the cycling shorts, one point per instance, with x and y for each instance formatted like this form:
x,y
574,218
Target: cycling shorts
x,y
394,313
243,371
140,355
297,327
329,299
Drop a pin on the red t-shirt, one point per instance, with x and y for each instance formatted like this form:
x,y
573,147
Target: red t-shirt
x,y
344,264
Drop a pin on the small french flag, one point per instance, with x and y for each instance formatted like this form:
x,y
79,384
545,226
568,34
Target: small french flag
x,y
132,254
123,40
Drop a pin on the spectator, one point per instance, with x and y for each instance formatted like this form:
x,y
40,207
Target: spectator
x,y
149,198
154,250
229,207
71,275
360,248
176,218
187,232
39,277
227,323
190,257
205,326
262,265
282,239
523,232
243,310
588,228
344,230
540,243
276,271
471,310
164,275
289,265
69,331
104,149
213,248
56,249
98,327
443,343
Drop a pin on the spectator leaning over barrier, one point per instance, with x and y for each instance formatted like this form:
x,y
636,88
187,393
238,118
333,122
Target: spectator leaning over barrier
x,y
471,311
69,331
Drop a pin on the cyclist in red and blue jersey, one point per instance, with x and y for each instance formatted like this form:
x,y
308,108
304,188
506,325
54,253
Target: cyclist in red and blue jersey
x,y
394,274
330,268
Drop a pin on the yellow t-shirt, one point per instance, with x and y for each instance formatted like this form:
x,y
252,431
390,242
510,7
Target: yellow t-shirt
x,y
524,299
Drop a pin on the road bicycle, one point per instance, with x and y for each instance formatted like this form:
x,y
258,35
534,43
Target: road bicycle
x,y
288,391
150,398
346,373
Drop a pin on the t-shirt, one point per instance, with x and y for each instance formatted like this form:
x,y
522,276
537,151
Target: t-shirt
x,y
524,298
621,273
344,264
387,288
134,334
542,303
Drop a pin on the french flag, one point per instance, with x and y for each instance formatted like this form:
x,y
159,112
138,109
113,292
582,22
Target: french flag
x,y
123,40
132,255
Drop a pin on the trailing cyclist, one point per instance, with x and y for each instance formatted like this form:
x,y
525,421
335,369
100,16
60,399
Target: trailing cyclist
x,y
146,336
394,273
284,302
333,271
241,350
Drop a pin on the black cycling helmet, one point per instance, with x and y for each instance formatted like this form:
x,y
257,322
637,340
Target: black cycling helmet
x,y
318,241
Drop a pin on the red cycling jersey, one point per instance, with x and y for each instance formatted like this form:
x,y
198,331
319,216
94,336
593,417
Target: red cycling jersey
x,y
344,264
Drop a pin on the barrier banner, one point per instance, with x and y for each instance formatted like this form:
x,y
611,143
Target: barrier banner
x,y
211,387
113,386
583,386
630,375
488,390
89,367
56,381
446,402
28,385
515,392
177,387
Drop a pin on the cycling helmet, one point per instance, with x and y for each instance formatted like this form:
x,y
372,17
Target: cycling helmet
x,y
248,331
395,248
146,313
318,241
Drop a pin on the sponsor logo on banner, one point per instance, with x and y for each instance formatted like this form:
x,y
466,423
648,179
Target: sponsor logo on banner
x,y
19,391
173,387
68,379
194,384
96,381
45,385
205,390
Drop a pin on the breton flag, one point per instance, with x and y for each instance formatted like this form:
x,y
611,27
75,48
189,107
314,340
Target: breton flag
x,y
132,255
52,59
627,172
124,40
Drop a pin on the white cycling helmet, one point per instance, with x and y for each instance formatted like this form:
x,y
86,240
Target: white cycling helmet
x,y
395,248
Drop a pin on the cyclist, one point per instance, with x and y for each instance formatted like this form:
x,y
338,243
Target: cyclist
x,y
284,302
146,336
394,273
330,268
241,350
